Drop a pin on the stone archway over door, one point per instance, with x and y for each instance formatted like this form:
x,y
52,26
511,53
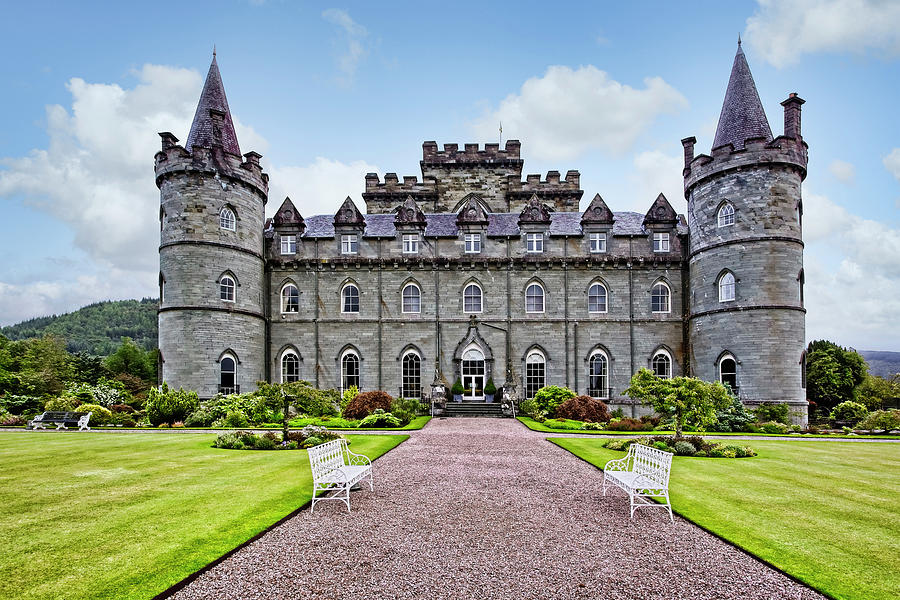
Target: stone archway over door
x,y
473,374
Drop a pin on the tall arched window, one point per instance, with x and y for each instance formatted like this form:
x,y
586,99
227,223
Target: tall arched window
x,y
598,375
472,299
726,287
535,373
801,279
412,376
662,364
350,299
290,367
226,288
412,299
534,298
290,299
349,370
728,372
597,298
226,219
228,375
660,298
726,215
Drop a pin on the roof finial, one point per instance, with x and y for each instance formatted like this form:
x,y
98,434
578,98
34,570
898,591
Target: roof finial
x,y
214,48
739,40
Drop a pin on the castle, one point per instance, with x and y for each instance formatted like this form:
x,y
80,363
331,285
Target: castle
x,y
475,274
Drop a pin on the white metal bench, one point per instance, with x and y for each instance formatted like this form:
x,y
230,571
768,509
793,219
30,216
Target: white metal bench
x,y
62,420
644,475
336,469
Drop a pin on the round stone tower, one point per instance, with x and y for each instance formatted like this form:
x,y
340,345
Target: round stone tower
x,y
747,321
212,324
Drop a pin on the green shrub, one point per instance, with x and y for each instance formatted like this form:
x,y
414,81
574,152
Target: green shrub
x,y
348,395
729,452
716,452
849,411
489,387
584,408
264,443
662,446
738,451
685,449
881,419
768,411
457,388
367,403
167,406
63,403
312,441
380,418
774,427
563,424
629,424
615,444
405,409
99,416
591,426
21,405
550,397
229,439
234,419
202,417
734,418
532,409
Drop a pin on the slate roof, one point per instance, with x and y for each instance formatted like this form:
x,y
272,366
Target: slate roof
x,y
212,98
742,114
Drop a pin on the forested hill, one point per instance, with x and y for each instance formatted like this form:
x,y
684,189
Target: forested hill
x,y
96,328
884,364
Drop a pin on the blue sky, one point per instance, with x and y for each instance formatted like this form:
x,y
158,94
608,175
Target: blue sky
x,y
328,92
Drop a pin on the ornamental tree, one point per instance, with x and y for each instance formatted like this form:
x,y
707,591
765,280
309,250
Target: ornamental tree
x,y
832,373
684,398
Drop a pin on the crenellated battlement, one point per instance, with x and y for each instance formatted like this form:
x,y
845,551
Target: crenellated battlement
x,y
384,197
471,155
562,193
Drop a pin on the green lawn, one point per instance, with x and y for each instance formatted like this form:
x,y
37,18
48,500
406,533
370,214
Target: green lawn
x,y
825,512
127,516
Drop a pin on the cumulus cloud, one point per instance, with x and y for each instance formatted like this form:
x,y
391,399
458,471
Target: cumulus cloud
x,y
781,32
656,172
353,35
319,188
567,112
843,171
892,163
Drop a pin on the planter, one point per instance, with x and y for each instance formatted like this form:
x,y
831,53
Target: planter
x,y
489,398
457,397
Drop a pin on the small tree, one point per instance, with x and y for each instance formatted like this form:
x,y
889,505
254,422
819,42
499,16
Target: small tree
x,y
684,398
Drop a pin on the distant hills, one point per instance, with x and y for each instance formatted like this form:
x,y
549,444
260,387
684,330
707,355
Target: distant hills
x,y
881,363
96,328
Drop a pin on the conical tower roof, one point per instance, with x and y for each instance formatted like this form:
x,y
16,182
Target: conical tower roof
x,y
742,114
203,132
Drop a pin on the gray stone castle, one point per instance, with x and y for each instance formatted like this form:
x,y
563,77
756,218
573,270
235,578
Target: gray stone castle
x,y
477,275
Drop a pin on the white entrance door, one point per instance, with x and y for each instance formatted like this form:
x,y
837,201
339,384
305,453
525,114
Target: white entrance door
x,y
473,375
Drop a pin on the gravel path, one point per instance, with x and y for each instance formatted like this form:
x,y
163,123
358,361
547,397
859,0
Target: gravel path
x,y
484,508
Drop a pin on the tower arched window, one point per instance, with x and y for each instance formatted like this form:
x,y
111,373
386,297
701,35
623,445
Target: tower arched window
x,y
412,299
801,280
728,372
726,287
350,299
597,297
290,367
726,215
534,298
661,364
660,298
349,370
227,219
472,298
228,375
598,375
535,372
290,298
411,386
226,288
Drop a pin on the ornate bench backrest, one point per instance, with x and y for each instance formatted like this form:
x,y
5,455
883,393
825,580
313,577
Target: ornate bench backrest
x,y
53,416
651,463
326,457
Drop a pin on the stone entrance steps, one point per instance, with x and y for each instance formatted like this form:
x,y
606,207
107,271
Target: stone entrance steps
x,y
473,409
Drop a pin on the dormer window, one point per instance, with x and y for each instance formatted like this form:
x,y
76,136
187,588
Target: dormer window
x,y
473,243
534,242
349,244
227,219
598,242
410,243
726,215
660,242
289,244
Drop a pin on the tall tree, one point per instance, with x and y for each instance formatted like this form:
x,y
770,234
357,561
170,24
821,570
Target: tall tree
x,y
832,373
130,359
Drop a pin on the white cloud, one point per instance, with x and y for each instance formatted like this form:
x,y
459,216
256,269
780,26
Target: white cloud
x,y
319,188
354,34
892,163
843,171
656,172
568,112
782,31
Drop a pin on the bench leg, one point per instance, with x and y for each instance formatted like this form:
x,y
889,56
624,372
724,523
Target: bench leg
x,y
604,483
669,506
84,428
60,426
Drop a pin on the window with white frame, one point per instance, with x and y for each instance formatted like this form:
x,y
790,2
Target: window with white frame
x,y
226,288
660,298
411,386
349,244
227,219
290,367
473,243
660,242
661,364
534,298
290,298
412,298
228,375
726,287
726,215
349,371
534,242
597,298
410,243
289,244
598,375
472,299
598,242
728,372
350,299
535,373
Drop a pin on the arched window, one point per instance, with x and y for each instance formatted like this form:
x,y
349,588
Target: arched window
x,y
349,370
162,288
728,372
412,299
726,287
662,364
350,299
472,371
472,298
534,298
226,288
535,373
801,279
290,299
412,376
660,298
597,298
290,367
228,375
226,219
726,215
598,375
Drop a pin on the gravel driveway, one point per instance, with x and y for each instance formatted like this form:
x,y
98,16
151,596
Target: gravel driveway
x,y
483,508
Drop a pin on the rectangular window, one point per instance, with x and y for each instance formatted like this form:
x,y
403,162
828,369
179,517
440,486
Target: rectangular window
x,y
660,242
410,243
473,243
598,242
289,244
534,242
349,244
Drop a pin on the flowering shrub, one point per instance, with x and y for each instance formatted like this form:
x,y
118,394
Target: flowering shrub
x,y
686,446
849,411
881,419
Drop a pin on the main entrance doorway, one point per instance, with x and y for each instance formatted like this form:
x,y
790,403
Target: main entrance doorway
x,y
473,375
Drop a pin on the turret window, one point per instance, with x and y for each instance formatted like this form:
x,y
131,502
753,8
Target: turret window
x,y
412,299
290,299
726,287
472,299
350,299
290,367
534,298
726,215
660,299
227,219
728,372
228,375
289,244
660,242
226,288
597,298
662,364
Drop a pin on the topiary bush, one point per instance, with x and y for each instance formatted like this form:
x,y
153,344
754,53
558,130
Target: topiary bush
x,y
849,411
379,418
886,420
584,408
367,403
550,397
683,448
99,416
63,403
167,406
